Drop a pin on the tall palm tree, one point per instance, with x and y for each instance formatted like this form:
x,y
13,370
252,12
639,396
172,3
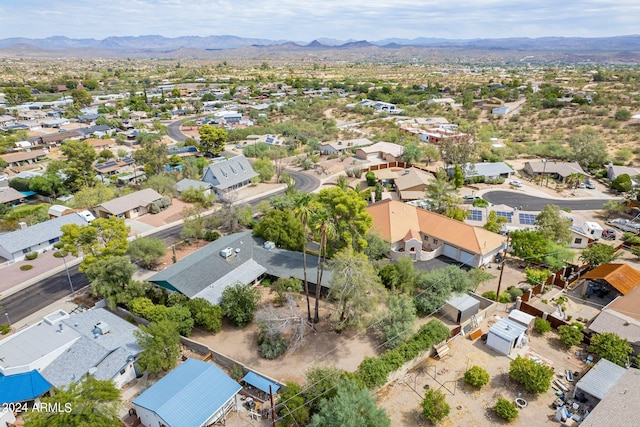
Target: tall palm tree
x,y
324,225
303,213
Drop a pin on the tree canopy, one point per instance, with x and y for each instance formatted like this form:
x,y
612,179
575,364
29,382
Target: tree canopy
x,y
160,343
239,303
611,347
212,139
599,253
553,226
88,402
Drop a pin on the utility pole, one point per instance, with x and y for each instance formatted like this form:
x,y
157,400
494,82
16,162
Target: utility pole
x,y
273,408
504,262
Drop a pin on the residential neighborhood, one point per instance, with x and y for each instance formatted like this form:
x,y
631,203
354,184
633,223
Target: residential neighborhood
x,y
221,243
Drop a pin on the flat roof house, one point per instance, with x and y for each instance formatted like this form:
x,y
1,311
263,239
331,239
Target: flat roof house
x,y
63,348
387,151
412,184
229,174
130,206
195,394
36,238
423,235
557,170
20,158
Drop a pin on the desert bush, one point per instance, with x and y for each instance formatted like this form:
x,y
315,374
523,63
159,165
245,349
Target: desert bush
x,y
5,329
31,256
535,376
506,409
272,347
569,335
541,325
26,267
434,406
476,377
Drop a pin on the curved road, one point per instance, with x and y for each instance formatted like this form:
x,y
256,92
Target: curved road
x,y
532,203
174,132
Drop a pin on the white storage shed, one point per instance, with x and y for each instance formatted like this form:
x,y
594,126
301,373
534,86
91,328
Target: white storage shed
x,y
523,318
505,335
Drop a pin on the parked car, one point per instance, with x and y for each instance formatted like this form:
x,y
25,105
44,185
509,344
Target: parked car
x,y
469,198
515,183
582,185
609,234
590,185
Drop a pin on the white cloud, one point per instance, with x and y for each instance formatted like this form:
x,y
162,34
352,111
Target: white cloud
x,y
309,19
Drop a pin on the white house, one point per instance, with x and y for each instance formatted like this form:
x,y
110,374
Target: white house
x,y
37,238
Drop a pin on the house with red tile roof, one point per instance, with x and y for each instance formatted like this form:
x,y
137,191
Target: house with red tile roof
x,y
423,235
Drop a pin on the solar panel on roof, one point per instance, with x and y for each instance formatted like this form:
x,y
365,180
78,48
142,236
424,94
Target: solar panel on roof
x,y
527,219
504,214
476,215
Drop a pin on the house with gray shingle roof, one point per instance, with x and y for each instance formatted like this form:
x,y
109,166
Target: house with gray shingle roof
x,y
229,174
64,347
237,257
36,238
130,206
186,183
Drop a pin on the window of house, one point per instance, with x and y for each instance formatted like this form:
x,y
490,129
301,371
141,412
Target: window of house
x,y
26,250
577,241
435,241
122,371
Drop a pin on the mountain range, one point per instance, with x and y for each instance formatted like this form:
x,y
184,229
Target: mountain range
x,y
623,49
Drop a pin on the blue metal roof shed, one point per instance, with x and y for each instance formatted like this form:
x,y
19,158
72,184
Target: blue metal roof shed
x,y
261,383
22,387
194,394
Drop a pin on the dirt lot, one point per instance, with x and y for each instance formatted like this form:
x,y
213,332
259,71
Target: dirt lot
x,y
470,407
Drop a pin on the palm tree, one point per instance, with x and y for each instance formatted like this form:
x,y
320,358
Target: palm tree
x,y
324,225
303,212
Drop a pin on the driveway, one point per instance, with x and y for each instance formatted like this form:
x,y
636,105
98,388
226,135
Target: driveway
x,y
534,203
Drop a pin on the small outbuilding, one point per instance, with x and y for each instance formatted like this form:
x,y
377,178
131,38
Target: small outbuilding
x,y
600,379
523,318
505,335
259,386
461,307
196,393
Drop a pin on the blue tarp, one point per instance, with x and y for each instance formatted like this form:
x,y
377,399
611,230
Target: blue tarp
x,y
28,193
21,387
261,383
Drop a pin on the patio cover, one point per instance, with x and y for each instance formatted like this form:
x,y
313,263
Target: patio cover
x,y
261,383
22,387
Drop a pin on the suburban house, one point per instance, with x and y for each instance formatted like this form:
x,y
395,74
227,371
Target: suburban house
x,y
9,195
424,235
56,138
21,158
556,170
340,147
484,169
412,184
195,394
622,318
101,144
186,183
237,257
614,171
229,174
63,348
379,106
36,238
387,151
130,206
620,278
112,167
619,396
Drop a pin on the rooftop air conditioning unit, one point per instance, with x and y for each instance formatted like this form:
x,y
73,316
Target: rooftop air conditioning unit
x,y
103,328
226,252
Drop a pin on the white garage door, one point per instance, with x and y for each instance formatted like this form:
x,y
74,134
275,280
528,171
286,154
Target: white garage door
x,y
466,258
373,155
451,251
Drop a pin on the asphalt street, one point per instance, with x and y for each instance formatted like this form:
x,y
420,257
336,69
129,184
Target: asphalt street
x,y
532,203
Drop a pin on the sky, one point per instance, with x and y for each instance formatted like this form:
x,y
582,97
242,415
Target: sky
x,y
306,20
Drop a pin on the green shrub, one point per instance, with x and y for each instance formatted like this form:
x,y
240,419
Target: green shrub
x,y
31,256
535,376
569,335
374,371
504,297
211,236
515,293
579,326
434,406
476,377
60,254
272,348
541,325
237,372
141,306
58,245
26,267
490,295
506,409
5,329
